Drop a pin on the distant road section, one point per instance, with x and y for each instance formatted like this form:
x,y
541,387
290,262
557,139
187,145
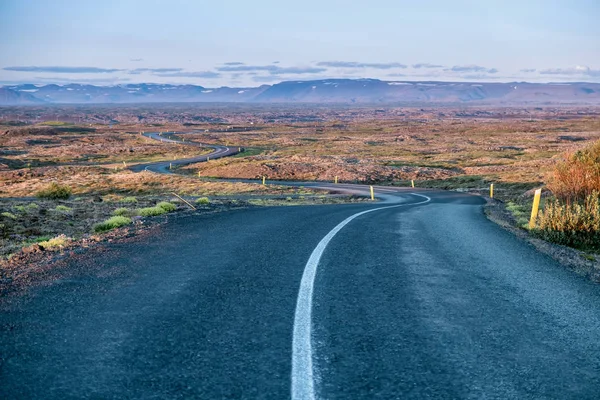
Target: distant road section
x,y
164,167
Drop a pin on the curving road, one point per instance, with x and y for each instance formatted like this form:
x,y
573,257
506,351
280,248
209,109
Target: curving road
x,y
415,296
164,167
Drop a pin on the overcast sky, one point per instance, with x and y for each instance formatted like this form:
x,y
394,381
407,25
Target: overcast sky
x,y
248,43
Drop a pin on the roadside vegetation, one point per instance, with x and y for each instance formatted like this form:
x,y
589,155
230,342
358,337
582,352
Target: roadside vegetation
x,y
572,216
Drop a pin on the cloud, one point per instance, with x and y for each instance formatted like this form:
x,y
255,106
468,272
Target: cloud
x,y
64,70
234,63
472,68
528,70
354,64
426,65
61,80
192,74
396,75
272,69
578,70
136,59
138,71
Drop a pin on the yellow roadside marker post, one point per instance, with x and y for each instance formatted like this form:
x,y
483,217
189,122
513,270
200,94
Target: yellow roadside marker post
x,y
264,180
125,165
170,165
412,182
491,191
372,193
535,208
336,179
199,174
239,149
207,158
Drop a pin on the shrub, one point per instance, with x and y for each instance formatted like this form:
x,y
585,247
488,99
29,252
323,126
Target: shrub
x,y
151,211
203,201
571,224
129,199
55,191
62,208
578,176
168,207
32,206
54,243
112,223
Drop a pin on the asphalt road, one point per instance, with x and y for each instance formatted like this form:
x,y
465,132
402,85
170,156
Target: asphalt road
x,y
409,301
415,296
164,167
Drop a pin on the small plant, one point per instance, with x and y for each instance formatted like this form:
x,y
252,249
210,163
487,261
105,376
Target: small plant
x,y
9,215
168,207
21,209
54,243
55,191
122,211
32,206
151,211
113,222
62,208
203,201
129,200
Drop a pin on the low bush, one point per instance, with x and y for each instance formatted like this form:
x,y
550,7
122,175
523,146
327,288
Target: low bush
x,y
129,199
578,175
112,223
54,243
570,223
55,191
62,208
151,211
203,201
168,207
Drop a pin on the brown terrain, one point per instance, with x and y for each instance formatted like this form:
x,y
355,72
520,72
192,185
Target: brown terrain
x,y
89,149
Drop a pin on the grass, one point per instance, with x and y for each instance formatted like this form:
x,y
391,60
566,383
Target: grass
x,y
203,201
520,212
572,224
151,211
168,207
9,215
62,208
55,191
129,200
112,223
123,212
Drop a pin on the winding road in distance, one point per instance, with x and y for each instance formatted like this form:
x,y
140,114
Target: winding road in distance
x,y
417,296
164,167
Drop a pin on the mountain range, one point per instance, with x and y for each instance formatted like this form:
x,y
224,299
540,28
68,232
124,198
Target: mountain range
x,y
361,91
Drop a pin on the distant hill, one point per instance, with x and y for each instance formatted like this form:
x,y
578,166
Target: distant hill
x,y
15,97
359,91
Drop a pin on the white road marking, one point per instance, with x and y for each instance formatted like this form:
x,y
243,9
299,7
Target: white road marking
x,y
303,382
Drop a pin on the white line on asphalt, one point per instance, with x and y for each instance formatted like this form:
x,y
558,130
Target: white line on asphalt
x,y
303,384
